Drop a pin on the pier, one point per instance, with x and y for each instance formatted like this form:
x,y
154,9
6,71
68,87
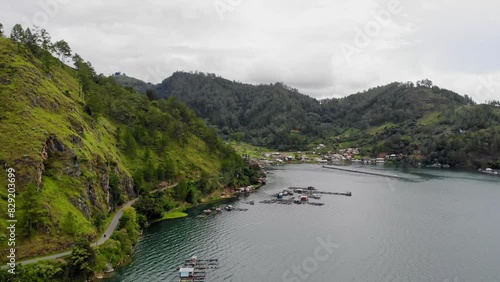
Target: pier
x,y
290,201
363,172
311,191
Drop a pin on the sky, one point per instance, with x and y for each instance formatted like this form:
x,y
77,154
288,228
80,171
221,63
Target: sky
x,y
324,48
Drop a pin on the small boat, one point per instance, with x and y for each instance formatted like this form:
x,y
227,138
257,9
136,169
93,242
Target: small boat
x,y
229,208
316,196
303,198
280,196
207,212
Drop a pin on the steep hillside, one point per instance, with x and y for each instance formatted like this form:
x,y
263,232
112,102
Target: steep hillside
x,y
392,103
272,115
422,121
81,145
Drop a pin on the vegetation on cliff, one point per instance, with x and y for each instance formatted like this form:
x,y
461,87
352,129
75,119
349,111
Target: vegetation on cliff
x,y
82,145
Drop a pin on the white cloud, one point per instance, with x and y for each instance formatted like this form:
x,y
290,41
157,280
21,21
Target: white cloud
x,y
296,42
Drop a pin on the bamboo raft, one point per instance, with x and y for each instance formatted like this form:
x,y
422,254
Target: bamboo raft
x,y
290,201
311,190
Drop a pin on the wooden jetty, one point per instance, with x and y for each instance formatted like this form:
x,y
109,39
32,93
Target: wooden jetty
x,y
362,172
195,270
290,201
311,191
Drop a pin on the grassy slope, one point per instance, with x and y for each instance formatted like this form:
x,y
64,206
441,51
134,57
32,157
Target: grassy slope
x,y
33,107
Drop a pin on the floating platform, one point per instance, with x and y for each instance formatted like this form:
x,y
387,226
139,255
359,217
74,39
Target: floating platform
x,y
290,201
362,172
311,191
195,270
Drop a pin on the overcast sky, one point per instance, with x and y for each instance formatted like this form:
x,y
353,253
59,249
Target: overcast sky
x,y
323,48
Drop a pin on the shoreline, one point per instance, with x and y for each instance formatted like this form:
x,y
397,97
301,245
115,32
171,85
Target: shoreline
x,y
182,212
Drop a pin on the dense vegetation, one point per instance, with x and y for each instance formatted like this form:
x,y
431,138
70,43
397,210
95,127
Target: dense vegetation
x,y
82,145
420,121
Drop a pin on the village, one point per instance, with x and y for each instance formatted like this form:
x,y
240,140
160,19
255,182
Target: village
x,y
321,155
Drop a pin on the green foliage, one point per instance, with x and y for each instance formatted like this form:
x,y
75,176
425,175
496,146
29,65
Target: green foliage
x,y
17,33
1,30
39,272
181,190
114,189
401,118
62,49
152,206
90,130
82,259
33,214
99,221
68,224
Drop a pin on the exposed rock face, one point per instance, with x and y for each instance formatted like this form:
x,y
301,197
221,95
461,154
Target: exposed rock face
x,y
81,204
53,146
92,195
60,159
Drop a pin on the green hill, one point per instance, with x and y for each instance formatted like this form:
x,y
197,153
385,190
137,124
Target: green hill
x,y
81,145
422,122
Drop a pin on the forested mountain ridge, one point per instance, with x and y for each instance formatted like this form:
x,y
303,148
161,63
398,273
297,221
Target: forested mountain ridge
x,y
81,145
259,114
401,118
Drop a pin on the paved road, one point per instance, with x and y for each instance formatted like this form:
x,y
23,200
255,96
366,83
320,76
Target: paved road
x,y
109,231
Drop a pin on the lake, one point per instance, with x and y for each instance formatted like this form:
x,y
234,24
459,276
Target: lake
x,y
432,225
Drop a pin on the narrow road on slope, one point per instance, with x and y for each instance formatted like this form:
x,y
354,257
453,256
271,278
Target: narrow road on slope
x,y
109,231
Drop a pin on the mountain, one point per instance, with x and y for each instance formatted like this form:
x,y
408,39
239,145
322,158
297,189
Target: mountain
x,y
137,84
417,120
265,115
81,145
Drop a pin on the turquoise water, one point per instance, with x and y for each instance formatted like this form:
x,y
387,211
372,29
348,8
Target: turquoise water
x,y
434,225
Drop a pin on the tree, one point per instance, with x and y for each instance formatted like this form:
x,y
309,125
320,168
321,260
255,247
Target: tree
x,y
45,40
99,221
82,259
85,73
31,40
68,224
150,93
62,49
181,190
33,214
1,30
17,33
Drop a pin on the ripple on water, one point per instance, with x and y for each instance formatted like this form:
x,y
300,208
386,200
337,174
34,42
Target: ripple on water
x,y
432,228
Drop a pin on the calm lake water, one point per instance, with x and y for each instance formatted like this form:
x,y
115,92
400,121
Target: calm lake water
x,y
435,225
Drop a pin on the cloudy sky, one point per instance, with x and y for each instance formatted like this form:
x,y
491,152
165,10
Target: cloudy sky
x,y
325,48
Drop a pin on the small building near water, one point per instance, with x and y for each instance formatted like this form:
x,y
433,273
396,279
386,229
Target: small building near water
x,y
186,274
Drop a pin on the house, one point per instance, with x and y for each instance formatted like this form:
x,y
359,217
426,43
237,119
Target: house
x,y
186,274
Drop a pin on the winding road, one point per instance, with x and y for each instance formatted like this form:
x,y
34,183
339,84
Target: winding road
x,y
109,231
